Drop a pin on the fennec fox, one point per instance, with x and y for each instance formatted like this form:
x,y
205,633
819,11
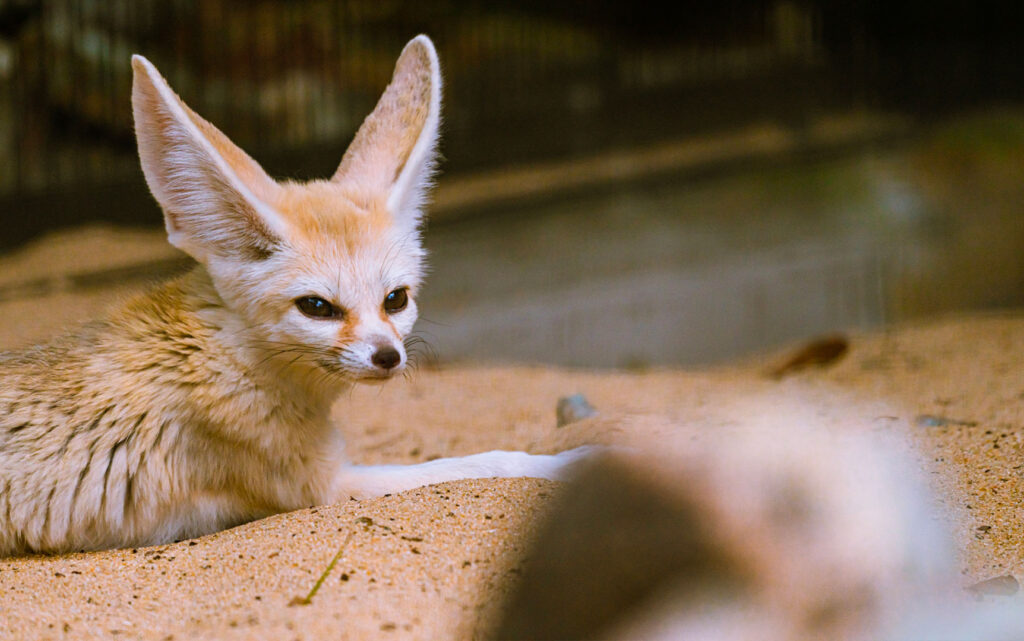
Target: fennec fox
x,y
205,402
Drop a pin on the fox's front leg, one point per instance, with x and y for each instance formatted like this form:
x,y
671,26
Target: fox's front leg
x,y
357,481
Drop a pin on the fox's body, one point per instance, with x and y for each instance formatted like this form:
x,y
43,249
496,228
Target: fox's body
x,y
205,402
152,426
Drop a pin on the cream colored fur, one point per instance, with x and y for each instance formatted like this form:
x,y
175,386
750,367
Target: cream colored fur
x,y
205,403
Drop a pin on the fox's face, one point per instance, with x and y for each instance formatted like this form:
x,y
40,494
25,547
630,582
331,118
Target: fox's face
x,y
323,275
337,293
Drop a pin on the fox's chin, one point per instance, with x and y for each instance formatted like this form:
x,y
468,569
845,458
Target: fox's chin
x,y
375,379
376,376
367,377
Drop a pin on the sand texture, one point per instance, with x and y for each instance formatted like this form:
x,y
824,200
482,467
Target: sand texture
x,y
437,562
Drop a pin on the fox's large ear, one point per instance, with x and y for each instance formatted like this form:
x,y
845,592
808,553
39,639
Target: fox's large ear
x,y
395,150
213,195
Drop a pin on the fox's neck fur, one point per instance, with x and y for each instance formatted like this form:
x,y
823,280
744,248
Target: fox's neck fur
x,y
184,328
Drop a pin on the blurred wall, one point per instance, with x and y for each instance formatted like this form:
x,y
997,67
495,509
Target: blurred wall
x,y
621,186
291,81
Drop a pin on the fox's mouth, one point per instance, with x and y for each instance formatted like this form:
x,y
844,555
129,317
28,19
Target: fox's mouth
x,y
376,378
372,376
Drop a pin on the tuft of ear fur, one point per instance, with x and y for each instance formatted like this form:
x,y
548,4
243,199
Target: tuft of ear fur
x,y
395,150
213,195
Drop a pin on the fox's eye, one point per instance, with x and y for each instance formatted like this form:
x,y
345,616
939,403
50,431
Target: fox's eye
x,y
396,301
316,307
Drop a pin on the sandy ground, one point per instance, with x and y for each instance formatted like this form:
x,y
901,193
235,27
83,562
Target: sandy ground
x,y
436,562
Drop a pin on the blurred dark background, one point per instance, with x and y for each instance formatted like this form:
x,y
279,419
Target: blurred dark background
x,y
624,185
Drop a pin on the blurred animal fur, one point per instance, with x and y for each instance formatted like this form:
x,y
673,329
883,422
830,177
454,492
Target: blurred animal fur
x,y
762,522
205,403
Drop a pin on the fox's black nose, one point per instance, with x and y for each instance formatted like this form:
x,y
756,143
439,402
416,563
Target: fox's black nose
x,y
386,357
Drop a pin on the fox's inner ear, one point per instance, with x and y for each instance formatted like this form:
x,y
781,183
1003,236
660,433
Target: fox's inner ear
x,y
395,150
213,195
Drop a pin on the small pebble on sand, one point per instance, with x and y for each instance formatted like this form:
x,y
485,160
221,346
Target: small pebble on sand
x,y
573,408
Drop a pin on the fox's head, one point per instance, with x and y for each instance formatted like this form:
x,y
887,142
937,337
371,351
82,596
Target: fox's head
x,y
323,273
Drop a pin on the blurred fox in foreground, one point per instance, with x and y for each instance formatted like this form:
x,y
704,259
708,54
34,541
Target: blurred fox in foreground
x,y
205,403
765,523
